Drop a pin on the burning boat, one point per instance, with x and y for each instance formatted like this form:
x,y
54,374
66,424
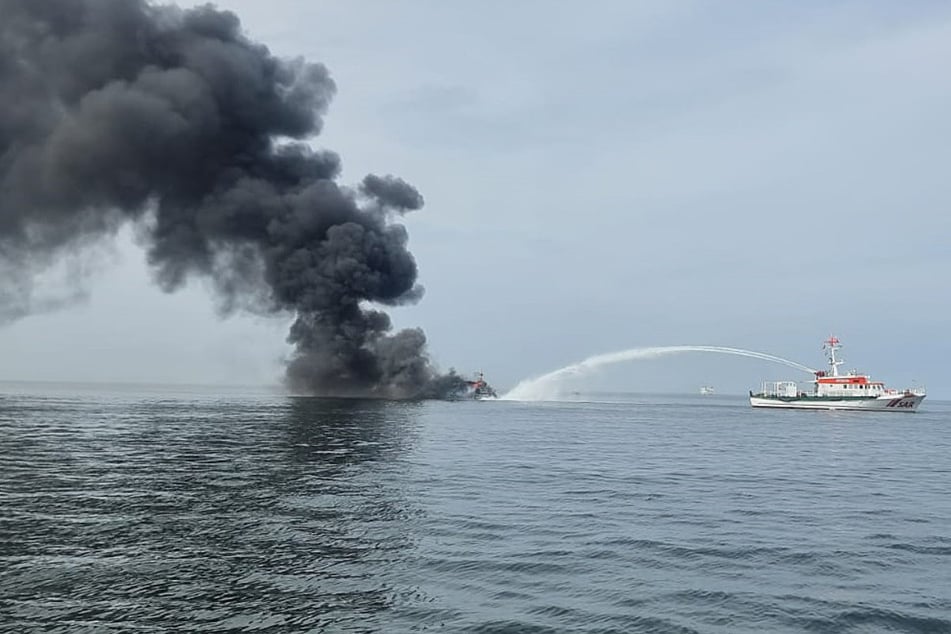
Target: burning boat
x,y
479,389
476,389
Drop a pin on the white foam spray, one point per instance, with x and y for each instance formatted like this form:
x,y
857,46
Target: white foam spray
x,y
547,387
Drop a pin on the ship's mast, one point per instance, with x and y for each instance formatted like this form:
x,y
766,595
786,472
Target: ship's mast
x,y
832,344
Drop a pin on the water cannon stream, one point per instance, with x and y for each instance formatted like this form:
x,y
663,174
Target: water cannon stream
x,y
546,387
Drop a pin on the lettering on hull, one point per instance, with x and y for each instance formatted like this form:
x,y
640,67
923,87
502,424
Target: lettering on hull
x,y
898,402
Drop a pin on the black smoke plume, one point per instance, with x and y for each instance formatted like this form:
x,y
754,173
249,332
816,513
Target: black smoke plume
x,y
118,111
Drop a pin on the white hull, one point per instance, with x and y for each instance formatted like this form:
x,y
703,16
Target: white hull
x,y
885,403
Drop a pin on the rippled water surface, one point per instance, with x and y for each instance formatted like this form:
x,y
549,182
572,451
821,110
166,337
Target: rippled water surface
x,y
153,511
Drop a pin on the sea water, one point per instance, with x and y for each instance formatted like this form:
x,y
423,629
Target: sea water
x,y
151,510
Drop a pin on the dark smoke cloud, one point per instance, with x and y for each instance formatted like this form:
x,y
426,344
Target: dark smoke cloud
x,y
393,192
118,111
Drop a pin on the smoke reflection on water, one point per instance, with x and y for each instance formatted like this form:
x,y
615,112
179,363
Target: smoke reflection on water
x,y
170,513
549,387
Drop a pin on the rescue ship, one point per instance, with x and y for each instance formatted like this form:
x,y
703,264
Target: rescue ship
x,y
832,390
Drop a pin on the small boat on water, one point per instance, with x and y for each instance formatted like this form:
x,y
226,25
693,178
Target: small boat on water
x,y
831,390
479,389
707,390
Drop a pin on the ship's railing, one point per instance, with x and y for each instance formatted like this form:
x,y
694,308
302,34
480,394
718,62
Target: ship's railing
x,y
780,388
917,390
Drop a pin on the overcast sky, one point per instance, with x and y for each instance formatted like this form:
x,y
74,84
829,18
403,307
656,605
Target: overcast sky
x,y
598,176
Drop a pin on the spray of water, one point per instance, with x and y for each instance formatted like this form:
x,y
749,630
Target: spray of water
x,y
547,387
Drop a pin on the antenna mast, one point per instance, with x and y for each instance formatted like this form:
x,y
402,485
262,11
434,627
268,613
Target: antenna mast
x,y
831,345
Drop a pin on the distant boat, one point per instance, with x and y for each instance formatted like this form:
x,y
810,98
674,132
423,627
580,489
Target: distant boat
x,y
706,390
